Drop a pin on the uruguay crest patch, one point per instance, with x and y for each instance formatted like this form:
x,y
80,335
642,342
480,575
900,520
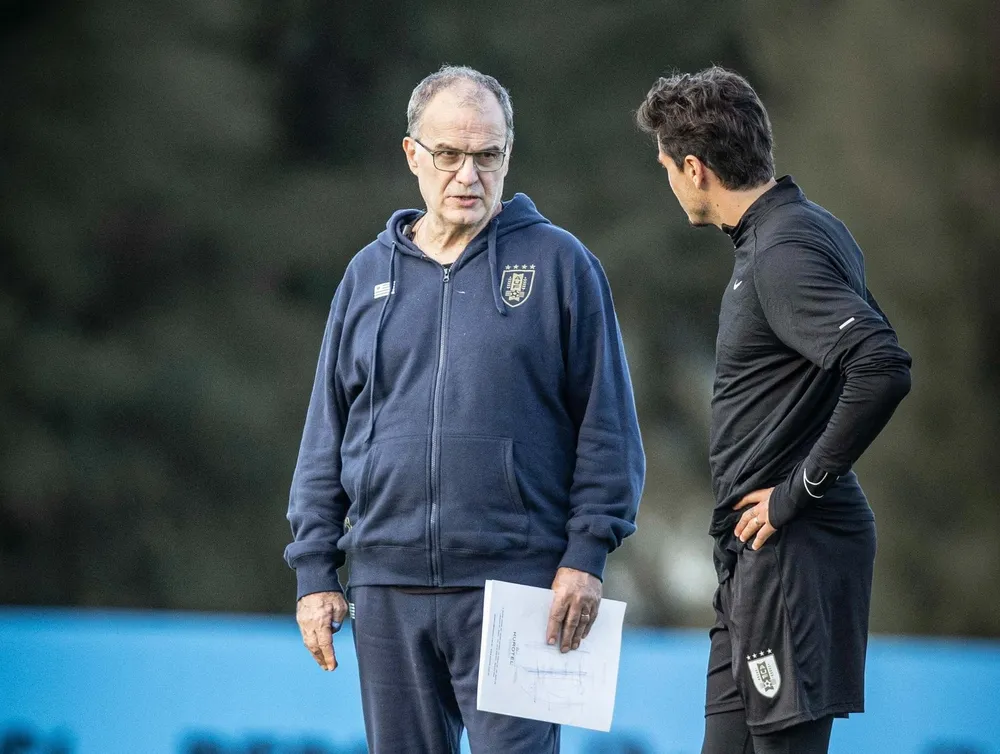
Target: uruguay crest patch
x,y
764,672
516,282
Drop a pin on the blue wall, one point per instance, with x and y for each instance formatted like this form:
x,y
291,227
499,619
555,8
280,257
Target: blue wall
x,y
76,682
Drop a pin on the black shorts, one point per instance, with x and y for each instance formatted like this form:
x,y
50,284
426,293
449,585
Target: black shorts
x,y
791,633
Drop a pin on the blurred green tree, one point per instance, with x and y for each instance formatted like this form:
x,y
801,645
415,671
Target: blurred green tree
x,y
183,186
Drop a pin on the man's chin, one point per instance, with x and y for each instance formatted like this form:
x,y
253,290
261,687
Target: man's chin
x,y
699,219
465,217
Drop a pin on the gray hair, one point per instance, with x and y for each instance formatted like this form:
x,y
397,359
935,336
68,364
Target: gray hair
x,y
448,76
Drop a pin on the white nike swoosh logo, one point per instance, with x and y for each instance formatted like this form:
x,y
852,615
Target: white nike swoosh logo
x,y
737,284
813,484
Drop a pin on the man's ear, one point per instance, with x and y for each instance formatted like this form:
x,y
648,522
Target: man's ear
x,y
696,171
410,150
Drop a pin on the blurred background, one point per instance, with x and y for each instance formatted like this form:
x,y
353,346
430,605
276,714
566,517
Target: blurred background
x,y
182,185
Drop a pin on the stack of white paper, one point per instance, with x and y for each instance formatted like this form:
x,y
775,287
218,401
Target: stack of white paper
x,y
521,675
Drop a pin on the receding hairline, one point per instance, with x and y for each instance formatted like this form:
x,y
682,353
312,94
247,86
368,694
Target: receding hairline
x,y
471,87
468,94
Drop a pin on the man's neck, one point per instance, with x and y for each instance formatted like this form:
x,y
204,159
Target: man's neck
x,y
445,243
440,242
730,206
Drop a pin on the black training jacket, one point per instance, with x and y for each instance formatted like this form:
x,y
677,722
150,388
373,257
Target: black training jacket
x,y
808,368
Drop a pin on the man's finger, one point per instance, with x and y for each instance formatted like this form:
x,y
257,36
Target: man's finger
x,y
557,614
318,656
324,641
749,524
329,657
340,609
745,521
751,498
583,625
314,651
569,629
763,535
590,623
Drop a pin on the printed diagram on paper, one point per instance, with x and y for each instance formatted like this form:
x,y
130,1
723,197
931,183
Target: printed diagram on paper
x,y
519,674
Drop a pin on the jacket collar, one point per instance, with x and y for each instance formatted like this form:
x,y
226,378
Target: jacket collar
x,y
785,191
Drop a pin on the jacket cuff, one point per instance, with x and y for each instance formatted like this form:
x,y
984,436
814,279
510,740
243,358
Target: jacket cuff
x,y
316,573
793,495
585,553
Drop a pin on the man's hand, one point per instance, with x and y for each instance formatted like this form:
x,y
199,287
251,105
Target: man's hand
x,y
319,616
574,607
754,521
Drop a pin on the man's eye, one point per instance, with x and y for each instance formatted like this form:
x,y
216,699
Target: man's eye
x,y
490,156
448,154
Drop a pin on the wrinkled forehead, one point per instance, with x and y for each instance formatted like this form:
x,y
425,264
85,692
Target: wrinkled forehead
x,y
464,111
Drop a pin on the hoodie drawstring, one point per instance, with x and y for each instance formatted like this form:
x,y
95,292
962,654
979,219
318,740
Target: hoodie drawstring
x,y
372,378
491,252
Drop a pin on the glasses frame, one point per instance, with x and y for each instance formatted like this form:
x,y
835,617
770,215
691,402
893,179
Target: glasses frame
x,y
434,157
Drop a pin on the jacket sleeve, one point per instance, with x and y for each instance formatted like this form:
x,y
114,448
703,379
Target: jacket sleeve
x,y
814,310
610,464
318,504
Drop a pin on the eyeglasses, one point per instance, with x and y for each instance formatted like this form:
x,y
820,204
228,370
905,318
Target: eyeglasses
x,y
452,160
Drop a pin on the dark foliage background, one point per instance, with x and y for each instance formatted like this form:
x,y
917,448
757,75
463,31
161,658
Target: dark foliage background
x,y
183,184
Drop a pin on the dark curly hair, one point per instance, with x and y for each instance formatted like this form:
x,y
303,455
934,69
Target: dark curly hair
x,y
716,116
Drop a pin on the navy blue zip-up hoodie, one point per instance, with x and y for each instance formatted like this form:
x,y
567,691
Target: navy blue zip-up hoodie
x,y
467,424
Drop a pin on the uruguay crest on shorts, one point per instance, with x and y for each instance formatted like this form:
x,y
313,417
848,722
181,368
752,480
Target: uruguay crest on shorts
x,y
515,283
764,672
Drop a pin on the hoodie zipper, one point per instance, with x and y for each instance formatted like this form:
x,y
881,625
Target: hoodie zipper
x,y
437,410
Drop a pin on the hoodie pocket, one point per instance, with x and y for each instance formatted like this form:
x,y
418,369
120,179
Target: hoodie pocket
x,y
481,506
393,501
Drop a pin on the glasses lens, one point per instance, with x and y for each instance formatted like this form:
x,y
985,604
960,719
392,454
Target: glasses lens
x,y
489,161
448,160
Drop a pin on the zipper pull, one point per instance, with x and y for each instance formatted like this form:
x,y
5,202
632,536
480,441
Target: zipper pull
x,y
447,274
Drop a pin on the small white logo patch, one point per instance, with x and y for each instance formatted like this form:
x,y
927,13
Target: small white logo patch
x,y
516,282
382,290
846,323
809,485
764,672
737,284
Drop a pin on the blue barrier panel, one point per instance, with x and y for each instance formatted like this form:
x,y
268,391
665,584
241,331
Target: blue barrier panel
x,y
102,682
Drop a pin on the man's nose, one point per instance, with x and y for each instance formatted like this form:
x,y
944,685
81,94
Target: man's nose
x,y
467,174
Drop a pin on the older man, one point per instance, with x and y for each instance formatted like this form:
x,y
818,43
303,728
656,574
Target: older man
x,y
472,418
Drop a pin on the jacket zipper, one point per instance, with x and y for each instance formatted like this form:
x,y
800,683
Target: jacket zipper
x,y
436,429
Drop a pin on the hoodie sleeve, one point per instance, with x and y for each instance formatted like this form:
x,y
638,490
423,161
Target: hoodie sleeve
x,y
610,464
318,504
814,310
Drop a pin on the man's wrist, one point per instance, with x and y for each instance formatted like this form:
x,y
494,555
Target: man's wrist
x,y
801,489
